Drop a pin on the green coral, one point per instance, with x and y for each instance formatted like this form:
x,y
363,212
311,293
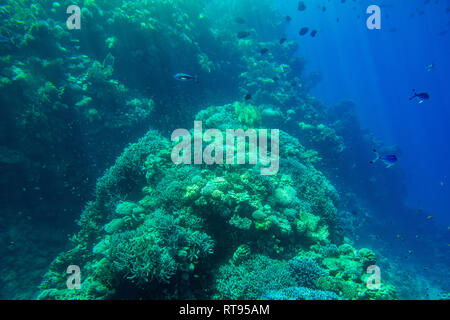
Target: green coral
x,y
248,115
162,235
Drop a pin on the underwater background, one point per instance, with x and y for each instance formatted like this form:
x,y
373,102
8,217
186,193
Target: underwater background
x,y
87,179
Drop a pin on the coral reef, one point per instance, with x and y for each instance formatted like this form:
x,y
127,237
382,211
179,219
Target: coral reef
x,y
207,231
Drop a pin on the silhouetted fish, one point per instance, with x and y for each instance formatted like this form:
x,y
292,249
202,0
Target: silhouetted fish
x,y
243,34
185,77
301,6
422,96
303,31
313,33
389,160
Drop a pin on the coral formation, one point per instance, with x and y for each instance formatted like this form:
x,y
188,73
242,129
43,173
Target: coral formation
x,y
210,226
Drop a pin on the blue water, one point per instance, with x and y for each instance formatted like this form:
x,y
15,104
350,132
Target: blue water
x,y
378,69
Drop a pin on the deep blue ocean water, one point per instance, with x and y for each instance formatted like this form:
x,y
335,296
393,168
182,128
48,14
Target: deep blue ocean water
x,y
378,69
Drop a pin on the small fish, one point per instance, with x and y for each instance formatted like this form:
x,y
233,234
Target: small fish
x,y
243,34
389,160
288,19
313,33
282,40
422,96
248,96
431,66
264,51
185,77
303,31
430,217
301,6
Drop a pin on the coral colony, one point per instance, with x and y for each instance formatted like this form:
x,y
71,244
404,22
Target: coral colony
x,y
214,152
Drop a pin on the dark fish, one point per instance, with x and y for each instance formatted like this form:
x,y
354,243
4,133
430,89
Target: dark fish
x,y
239,20
324,9
282,40
243,34
248,96
422,96
313,33
389,160
288,18
301,6
185,77
303,31
264,50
